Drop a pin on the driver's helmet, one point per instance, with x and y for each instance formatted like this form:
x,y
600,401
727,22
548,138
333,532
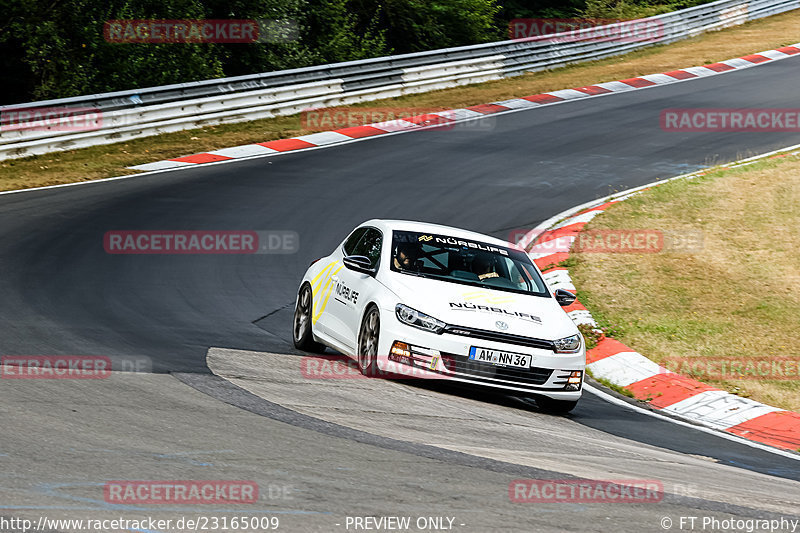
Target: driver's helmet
x,y
484,265
407,254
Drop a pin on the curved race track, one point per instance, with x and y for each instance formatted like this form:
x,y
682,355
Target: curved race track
x,y
61,294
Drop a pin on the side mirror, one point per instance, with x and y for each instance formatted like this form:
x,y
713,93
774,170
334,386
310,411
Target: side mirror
x,y
359,263
564,298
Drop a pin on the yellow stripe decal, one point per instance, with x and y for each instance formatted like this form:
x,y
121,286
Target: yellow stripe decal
x,y
314,281
488,298
327,291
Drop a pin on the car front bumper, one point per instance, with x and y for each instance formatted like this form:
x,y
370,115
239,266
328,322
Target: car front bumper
x,y
446,357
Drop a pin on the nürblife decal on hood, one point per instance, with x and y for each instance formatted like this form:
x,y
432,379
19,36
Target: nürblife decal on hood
x,y
480,308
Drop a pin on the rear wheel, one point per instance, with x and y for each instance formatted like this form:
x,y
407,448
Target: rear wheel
x,y
368,337
556,407
301,332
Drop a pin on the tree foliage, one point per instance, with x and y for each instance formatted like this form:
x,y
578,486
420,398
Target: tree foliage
x,y
56,48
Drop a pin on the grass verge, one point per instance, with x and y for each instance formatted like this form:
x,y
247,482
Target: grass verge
x,y
726,314
609,385
112,160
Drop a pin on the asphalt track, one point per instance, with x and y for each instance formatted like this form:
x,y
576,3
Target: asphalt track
x,y
62,294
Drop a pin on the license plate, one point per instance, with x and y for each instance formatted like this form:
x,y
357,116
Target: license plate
x,y
496,357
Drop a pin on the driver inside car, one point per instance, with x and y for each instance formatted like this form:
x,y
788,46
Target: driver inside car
x,y
405,256
484,267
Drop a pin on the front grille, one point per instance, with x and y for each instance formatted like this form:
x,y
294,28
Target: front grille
x,y
508,338
464,366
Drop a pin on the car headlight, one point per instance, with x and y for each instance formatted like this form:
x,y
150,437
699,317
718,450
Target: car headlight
x,y
569,344
414,318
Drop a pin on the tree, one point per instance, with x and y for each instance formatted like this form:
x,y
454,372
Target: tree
x,y
64,52
418,25
336,33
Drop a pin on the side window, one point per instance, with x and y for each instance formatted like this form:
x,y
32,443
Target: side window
x,y
370,246
352,240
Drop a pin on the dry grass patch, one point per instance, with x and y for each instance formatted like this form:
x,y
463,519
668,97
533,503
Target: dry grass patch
x,y
737,300
112,160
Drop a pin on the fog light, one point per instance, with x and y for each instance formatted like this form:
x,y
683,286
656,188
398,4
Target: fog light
x,y
401,348
574,381
400,352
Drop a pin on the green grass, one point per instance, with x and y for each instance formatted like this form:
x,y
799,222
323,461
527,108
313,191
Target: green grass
x,y
737,298
613,386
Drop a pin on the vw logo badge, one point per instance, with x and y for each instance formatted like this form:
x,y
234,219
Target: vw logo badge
x,y
501,325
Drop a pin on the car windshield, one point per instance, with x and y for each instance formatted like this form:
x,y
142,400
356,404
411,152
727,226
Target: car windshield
x,y
465,261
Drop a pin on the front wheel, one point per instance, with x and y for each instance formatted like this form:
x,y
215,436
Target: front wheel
x,y
556,407
301,331
368,337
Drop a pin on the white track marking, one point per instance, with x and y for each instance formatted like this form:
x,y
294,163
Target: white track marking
x,y
616,401
624,368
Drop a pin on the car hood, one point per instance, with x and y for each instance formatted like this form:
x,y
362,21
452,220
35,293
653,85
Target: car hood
x,y
470,306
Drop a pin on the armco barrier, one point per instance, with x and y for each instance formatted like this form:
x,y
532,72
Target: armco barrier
x,y
151,111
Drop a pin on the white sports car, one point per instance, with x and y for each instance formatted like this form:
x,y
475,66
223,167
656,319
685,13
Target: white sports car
x,y
431,301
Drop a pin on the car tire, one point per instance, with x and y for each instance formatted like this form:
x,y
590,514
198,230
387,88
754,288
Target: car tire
x,y
302,333
556,407
368,337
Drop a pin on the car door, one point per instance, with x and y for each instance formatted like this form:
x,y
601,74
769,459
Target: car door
x,y
323,284
350,288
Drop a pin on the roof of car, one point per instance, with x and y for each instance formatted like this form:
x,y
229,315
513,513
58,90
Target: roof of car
x,y
425,227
